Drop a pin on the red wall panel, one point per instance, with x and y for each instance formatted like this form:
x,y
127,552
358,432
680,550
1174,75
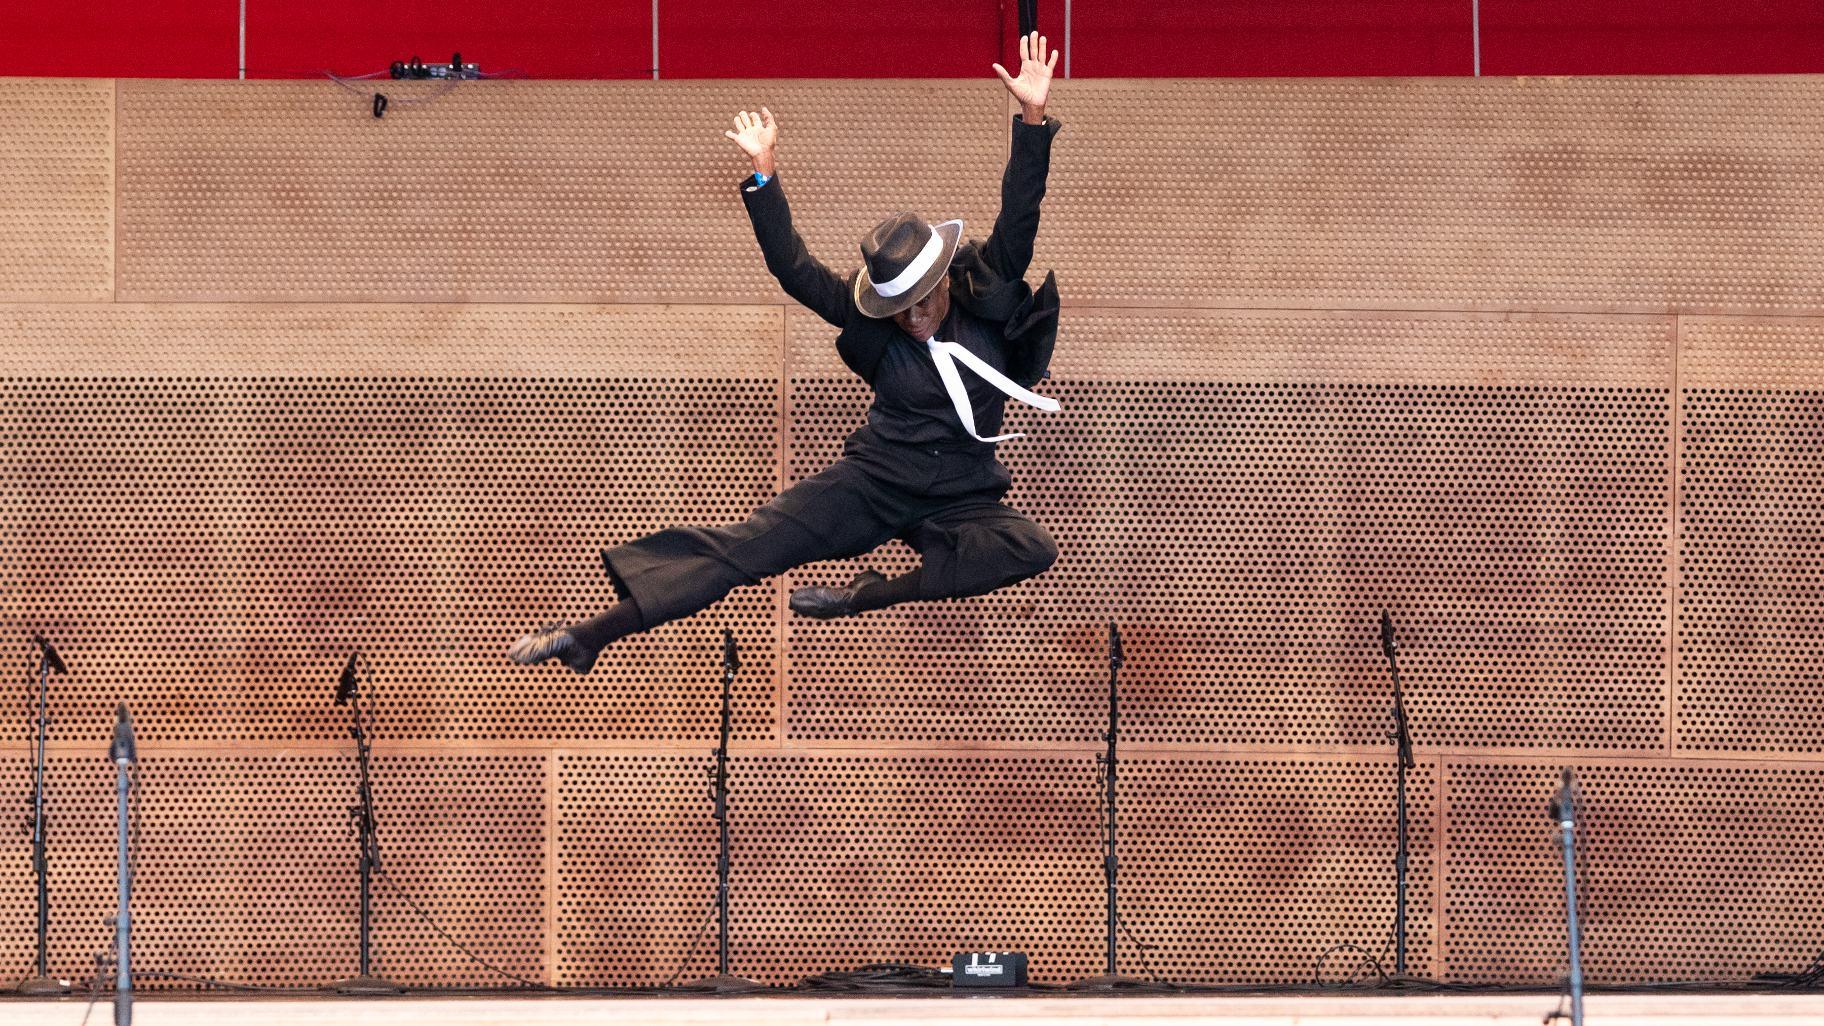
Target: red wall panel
x,y
1120,38
832,39
540,38
107,38
926,38
1651,37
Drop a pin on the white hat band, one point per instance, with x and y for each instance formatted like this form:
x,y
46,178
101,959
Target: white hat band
x,y
915,270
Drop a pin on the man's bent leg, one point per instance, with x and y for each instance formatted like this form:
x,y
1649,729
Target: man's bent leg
x,y
968,549
835,514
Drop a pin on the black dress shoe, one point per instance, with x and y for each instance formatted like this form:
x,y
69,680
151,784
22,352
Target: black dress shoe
x,y
552,641
830,603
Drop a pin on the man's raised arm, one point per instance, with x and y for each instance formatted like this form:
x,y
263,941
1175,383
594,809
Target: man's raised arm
x,y
802,275
1008,250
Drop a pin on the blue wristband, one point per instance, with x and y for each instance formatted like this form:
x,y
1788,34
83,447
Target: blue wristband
x,y
760,179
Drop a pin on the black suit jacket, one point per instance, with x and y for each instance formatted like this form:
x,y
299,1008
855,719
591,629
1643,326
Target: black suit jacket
x,y
987,279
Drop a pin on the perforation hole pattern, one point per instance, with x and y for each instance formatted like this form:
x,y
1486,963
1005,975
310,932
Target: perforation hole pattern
x,y
1518,194
220,546
294,191
844,860
1519,534
1751,572
263,889
57,160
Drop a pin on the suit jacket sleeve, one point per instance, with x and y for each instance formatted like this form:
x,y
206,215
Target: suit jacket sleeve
x,y
1008,251
803,276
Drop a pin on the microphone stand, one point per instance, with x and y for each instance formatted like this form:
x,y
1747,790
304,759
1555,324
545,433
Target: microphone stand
x,y
1563,809
724,982
124,755
1401,736
1109,759
348,692
41,983
1402,740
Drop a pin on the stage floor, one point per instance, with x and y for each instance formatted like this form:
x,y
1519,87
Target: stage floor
x,y
1506,1009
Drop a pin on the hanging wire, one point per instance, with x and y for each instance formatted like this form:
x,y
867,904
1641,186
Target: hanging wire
x,y
458,945
381,101
696,943
366,714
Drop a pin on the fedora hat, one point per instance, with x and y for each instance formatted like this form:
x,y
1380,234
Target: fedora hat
x,y
903,259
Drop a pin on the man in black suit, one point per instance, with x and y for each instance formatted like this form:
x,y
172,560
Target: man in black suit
x,y
945,331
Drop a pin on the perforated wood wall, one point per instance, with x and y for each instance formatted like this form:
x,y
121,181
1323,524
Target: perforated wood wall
x,y
1533,364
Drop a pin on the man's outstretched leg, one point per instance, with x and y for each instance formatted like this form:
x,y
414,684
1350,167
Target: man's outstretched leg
x,y
670,574
578,644
969,549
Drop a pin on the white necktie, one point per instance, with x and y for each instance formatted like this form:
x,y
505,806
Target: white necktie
x,y
942,353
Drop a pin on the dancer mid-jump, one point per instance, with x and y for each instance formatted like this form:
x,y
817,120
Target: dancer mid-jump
x,y
945,332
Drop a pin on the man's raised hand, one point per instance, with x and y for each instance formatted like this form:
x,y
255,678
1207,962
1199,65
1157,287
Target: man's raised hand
x,y
1032,87
756,134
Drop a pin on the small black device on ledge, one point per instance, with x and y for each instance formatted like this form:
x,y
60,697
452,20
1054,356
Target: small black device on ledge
x,y
348,692
417,69
988,969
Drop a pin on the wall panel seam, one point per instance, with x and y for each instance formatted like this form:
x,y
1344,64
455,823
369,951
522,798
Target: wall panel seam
x,y
1675,538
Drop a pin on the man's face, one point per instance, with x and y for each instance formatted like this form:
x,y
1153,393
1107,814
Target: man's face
x,y
922,319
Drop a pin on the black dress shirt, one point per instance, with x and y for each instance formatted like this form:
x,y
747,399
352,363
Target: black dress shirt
x,y
993,312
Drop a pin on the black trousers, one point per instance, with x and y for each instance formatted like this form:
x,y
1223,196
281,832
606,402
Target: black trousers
x,y
945,505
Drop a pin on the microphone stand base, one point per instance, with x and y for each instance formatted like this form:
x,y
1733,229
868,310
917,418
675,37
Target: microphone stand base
x,y
724,985
366,985
1106,983
1407,981
41,986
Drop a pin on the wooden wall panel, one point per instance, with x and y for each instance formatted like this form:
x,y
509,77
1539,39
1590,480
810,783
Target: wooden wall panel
x,y
841,860
215,505
634,869
1589,194
1247,491
1751,471
247,867
1686,872
523,191
57,204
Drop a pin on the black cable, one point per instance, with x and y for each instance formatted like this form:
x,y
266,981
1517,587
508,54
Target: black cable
x,y
1140,949
206,981
1807,977
367,714
458,945
879,976
1559,1012
101,970
690,954
1368,961
505,74
380,100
